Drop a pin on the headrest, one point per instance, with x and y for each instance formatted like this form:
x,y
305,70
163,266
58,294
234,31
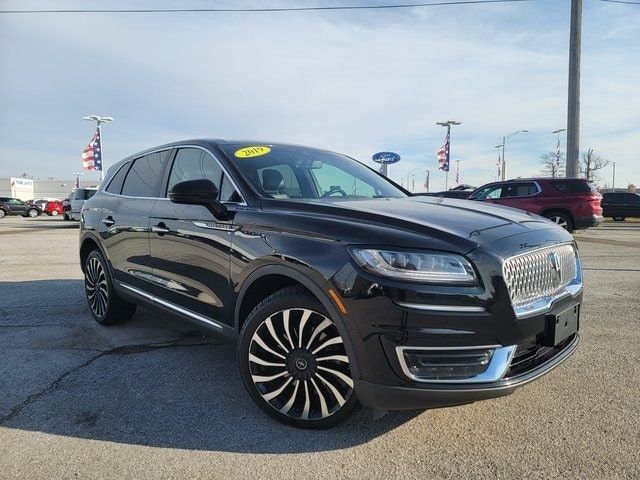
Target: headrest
x,y
272,180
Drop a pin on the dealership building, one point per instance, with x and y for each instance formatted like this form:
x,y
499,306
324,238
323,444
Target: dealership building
x,y
31,189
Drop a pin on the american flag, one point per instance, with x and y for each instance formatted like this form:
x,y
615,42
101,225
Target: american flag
x,y
443,155
92,154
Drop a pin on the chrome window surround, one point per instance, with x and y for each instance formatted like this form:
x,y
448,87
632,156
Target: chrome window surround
x,y
544,303
224,170
497,368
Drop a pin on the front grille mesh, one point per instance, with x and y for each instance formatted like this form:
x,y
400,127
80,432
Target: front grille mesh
x,y
532,275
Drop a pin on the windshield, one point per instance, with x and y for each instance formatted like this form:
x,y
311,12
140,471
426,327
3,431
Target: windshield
x,y
290,172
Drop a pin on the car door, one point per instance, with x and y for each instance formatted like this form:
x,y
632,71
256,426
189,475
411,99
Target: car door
x,y
18,207
490,193
522,195
124,223
190,248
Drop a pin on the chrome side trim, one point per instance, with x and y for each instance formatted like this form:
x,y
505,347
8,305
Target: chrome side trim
x,y
173,306
440,308
498,366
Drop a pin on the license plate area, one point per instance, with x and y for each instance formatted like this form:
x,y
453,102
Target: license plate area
x,y
562,326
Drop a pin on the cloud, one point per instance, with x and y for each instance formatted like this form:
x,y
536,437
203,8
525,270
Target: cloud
x,y
355,82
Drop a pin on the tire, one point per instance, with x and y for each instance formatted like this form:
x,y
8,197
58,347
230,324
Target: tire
x,y
32,213
301,379
619,219
66,217
104,304
2,213
561,219
54,213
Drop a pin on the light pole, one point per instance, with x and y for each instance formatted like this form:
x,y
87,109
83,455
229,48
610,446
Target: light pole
x,y
409,174
448,124
426,180
99,119
613,186
573,106
559,131
504,141
499,162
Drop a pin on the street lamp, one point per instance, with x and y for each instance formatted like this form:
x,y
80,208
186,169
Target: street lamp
x,y
504,141
553,170
99,119
409,174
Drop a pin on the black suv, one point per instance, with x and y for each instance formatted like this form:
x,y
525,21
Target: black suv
x,y
13,206
340,288
620,205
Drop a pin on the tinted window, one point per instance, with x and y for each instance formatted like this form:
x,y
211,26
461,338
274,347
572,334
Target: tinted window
x,y
574,187
491,191
631,198
279,181
143,178
115,185
519,189
611,197
194,164
227,192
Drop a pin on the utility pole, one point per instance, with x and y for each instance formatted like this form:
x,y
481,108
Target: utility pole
x,y
504,142
573,107
614,177
447,146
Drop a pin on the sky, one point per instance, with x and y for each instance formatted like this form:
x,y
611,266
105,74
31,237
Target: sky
x,y
356,82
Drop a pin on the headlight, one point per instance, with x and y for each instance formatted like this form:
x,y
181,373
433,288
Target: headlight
x,y
417,267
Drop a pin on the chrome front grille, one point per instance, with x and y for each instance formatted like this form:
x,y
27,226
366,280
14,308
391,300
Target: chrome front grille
x,y
540,273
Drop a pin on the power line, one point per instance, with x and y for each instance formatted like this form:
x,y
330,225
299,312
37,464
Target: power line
x,y
627,2
267,10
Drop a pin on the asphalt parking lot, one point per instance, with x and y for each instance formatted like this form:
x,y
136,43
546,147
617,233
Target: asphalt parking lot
x,y
155,399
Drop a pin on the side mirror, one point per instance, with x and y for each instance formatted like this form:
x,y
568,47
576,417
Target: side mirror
x,y
198,192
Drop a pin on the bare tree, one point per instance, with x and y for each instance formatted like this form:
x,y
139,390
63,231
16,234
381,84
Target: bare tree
x,y
551,167
590,163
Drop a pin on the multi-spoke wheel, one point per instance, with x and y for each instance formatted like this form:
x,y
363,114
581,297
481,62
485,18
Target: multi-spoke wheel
x,y
294,362
561,219
105,305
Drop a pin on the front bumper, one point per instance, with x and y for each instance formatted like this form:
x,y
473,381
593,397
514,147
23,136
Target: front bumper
x,y
393,397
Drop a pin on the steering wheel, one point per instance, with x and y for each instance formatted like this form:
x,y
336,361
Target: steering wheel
x,y
335,190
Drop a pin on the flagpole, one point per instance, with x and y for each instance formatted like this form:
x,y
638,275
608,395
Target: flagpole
x,y
100,119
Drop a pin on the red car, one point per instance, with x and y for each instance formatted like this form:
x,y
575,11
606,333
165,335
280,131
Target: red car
x,y
572,203
54,208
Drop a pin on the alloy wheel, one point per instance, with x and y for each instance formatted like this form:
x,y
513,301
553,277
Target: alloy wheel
x,y
298,364
33,213
1,213
561,222
95,283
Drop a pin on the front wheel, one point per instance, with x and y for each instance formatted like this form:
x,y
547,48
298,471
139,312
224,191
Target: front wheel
x,y
293,361
619,219
32,212
2,213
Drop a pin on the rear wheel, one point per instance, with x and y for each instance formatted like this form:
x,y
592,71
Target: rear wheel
x,y
54,213
66,217
105,305
619,219
561,219
293,361
2,213
32,212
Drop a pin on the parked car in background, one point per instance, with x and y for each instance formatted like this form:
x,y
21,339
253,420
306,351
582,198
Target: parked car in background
x,y
572,203
41,203
339,288
54,208
620,205
76,201
461,191
13,206
66,208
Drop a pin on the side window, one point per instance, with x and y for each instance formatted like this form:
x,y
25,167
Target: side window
x,y
115,185
143,178
194,164
332,179
227,192
519,190
492,191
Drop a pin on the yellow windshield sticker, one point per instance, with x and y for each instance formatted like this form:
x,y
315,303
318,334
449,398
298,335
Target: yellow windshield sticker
x,y
248,152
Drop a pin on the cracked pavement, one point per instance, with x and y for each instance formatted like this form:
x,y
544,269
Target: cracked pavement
x,y
155,398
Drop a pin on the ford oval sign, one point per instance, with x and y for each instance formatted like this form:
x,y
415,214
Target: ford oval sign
x,y
386,158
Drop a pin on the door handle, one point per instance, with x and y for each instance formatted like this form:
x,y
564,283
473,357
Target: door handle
x,y
160,229
108,221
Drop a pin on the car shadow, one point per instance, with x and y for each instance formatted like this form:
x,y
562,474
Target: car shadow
x,y
154,381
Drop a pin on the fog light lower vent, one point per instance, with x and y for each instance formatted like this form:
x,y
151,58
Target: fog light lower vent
x,y
447,364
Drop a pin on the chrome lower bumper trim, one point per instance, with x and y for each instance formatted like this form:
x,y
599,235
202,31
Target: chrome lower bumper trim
x,y
440,308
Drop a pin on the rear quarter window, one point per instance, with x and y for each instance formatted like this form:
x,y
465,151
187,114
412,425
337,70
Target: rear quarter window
x,y
574,187
115,185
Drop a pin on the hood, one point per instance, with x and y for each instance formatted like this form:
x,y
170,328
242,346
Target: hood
x,y
463,224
